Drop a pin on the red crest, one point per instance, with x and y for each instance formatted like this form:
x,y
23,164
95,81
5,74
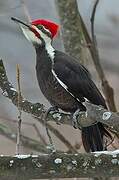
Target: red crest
x,y
51,26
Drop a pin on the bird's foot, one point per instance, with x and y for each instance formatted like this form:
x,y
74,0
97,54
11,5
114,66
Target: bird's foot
x,y
56,114
51,110
75,122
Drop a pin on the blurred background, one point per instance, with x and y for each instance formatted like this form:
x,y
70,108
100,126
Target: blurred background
x,y
15,49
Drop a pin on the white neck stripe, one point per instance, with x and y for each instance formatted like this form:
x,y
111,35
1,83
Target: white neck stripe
x,y
50,50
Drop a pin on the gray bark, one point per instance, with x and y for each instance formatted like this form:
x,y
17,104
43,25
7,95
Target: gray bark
x,y
60,165
71,29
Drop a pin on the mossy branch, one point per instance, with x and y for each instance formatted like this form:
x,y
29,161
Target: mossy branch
x,y
60,165
94,113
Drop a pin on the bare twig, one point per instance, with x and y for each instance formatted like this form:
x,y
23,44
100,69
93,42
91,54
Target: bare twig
x,y
114,145
111,142
40,135
18,143
58,135
37,109
26,141
107,89
25,9
29,124
62,139
92,22
52,129
51,146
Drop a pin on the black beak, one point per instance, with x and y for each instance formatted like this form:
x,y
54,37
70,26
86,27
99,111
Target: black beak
x,y
19,21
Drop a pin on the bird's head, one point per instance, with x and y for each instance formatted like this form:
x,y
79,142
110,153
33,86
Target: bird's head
x,y
38,31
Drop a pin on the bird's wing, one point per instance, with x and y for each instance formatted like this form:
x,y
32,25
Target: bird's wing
x,y
76,79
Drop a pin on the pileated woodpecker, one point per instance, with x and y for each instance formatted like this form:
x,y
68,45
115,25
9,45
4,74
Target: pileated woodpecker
x,y
63,81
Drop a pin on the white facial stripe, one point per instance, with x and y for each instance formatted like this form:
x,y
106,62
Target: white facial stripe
x,y
43,35
50,50
46,29
38,30
30,35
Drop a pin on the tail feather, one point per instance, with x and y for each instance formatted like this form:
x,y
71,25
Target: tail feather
x,y
87,139
93,137
97,136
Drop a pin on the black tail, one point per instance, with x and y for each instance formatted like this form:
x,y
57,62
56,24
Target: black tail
x,y
93,137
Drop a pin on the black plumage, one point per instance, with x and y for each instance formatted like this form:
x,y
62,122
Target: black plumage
x,y
63,81
79,84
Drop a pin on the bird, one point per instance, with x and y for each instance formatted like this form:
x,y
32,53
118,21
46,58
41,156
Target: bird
x,y
65,82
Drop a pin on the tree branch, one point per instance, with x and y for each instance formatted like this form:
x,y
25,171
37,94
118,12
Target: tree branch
x,y
99,114
71,29
94,113
59,136
26,141
28,124
107,89
37,109
60,165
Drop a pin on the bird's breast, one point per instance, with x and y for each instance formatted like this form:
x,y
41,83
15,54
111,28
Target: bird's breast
x,y
53,91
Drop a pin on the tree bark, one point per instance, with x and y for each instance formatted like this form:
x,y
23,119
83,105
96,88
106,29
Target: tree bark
x,y
71,29
60,165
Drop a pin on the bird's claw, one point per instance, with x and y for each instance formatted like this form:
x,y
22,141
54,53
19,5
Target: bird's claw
x,y
75,122
56,114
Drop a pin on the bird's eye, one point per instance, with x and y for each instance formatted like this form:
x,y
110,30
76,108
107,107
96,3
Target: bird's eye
x,y
44,30
40,27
